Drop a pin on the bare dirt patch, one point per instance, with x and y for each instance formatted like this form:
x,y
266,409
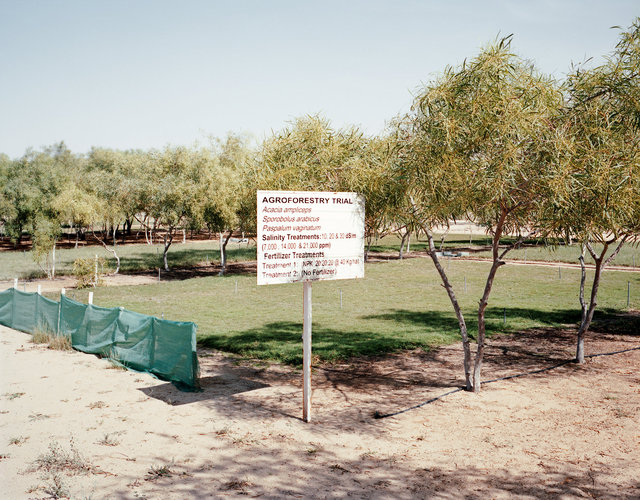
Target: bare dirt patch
x,y
564,430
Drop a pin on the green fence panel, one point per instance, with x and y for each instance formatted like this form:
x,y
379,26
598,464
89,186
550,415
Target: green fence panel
x,y
100,325
133,342
72,321
25,312
6,307
48,310
175,351
166,349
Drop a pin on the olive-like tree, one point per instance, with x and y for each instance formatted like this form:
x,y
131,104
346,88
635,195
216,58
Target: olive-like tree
x,y
312,155
182,179
597,189
228,191
478,145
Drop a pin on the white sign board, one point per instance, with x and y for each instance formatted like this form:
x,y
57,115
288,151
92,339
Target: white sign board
x,y
309,236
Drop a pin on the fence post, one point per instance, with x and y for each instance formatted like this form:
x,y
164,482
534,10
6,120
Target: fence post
x,y
15,283
13,304
90,298
62,293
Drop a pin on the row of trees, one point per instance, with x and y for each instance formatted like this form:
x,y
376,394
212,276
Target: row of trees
x,y
101,195
493,141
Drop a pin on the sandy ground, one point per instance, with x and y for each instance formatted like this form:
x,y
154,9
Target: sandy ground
x,y
567,432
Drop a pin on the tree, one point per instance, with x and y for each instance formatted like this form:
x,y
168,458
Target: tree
x,y
478,145
182,178
8,211
598,187
311,156
227,191
77,207
45,233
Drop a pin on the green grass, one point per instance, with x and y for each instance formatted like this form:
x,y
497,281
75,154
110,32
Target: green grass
x,y
398,305
532,250
133,257
629,255
142,257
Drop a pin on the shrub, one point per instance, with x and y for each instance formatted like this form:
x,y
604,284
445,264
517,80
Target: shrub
x,y
88,272
56,342
60,343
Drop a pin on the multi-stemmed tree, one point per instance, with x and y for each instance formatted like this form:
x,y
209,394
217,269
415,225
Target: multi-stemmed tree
x,y
479,144
596,197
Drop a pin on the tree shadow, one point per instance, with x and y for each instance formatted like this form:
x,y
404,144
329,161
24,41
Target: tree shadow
x,y
281,341
275,471
494,317
615,322
182,261
211,388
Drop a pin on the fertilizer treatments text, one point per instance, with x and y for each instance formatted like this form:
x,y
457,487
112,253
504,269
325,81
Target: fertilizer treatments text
x,y
307,237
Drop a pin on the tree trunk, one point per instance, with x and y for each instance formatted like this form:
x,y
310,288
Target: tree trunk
x,y
587,312
444,237
586,318
112,250
53,260
115,245
405,239
223,253
484,301
482,307
466,347
367,248
168,238
584,309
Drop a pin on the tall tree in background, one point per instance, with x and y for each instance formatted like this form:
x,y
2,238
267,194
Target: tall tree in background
x,y
222,210
182,178
117,180
478,145
8,211
312,156
32,183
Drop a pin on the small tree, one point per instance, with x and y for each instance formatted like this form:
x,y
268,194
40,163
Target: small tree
x,y
45,234
477,146
312,156
182,179
598,187
227,190
76,206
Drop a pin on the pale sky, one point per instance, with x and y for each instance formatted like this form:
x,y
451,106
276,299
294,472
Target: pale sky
x,y
146,73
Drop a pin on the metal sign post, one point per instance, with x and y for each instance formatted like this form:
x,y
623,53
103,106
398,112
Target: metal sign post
x,y
306,351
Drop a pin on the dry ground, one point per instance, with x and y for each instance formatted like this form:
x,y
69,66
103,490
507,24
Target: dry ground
x,y
567,432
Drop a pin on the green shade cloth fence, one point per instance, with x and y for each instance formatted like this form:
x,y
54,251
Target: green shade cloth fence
x,y
166,349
